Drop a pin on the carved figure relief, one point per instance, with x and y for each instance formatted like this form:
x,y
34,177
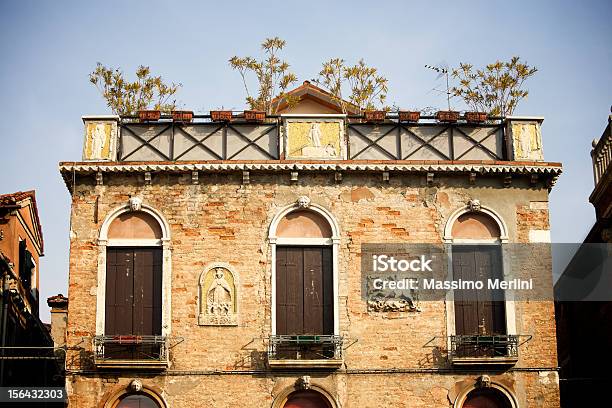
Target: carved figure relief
x,y
99,142
218,302
316,140
527,141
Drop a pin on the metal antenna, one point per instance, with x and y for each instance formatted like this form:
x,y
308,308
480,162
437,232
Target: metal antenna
x,y
442,71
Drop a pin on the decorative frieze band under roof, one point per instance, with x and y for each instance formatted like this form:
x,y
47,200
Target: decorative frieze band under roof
x,y
68,169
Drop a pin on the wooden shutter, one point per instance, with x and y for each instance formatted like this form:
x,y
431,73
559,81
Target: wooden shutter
x,y
133,291
473,308
304,293
119,291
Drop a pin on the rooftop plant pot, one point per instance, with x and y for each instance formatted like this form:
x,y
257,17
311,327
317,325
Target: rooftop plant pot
x,y
409,116
182,116
475,117
254,116
374,116
149,115
221,116
447,116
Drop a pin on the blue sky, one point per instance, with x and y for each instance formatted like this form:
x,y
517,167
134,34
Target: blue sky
x,y
48,49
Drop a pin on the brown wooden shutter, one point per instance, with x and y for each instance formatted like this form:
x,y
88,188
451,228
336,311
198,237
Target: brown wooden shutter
x,y
133,291
475,308
119,290
304,293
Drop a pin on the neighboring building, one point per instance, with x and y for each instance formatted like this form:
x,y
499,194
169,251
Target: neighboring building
x,y
27,357
584,324
219,263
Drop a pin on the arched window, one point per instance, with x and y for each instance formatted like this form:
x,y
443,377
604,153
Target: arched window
x,y
304,275
304,240
481,315
134,275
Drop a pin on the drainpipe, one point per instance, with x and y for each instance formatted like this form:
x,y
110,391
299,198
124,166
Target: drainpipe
x,y
4,314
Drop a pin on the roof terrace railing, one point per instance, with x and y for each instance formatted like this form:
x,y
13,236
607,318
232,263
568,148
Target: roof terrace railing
x,y
310,137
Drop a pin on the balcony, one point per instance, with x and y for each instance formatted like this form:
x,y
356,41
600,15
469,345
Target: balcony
x,y
601,197
490,350
130,351
316,351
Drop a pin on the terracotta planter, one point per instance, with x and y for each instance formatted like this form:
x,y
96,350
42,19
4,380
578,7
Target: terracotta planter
x,y
447,116
374,116
221,116
409,116
149,115
475,117
182,116
254,116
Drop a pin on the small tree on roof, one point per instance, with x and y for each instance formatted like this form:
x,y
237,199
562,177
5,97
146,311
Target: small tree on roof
x,y
496,89
127,98
272,74
367,89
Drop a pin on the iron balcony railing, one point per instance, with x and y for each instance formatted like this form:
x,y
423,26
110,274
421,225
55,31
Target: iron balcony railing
x,y
240,140
483,346
305,347
131,348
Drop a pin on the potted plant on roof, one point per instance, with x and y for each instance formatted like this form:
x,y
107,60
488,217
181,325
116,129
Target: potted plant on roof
x,y
254,115
475,117
221,115
149,115
448,116
182,116
411,116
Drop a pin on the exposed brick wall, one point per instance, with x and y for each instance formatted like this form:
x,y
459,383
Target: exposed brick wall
x,y
221,220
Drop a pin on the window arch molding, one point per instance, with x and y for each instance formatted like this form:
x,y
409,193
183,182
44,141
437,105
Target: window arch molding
x,y
304,204
115,398
463,395
282,398
134,205
468,208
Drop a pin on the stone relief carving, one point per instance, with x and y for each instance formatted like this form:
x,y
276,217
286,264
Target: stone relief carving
x,y
303,202
317,140
474,205
527,141
392,305
303,383
100,140
135,386
484,381
135,203
218,300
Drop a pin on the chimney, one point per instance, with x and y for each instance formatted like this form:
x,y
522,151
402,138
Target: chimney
x,y
59,319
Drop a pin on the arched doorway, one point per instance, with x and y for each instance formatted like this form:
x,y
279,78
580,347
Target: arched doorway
x,y
486,398
306,399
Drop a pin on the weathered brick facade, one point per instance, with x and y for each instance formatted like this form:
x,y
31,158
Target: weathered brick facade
x,y
391,359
